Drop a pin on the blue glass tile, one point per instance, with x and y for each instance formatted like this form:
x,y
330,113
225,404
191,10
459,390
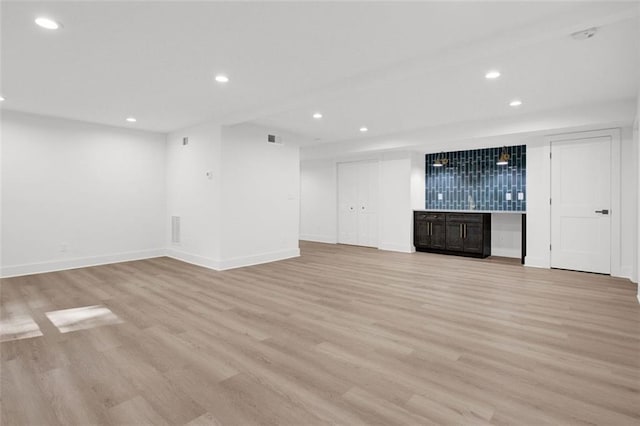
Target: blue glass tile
x,y
475,173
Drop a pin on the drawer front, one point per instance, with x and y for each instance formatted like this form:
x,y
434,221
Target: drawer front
x,y
465,217
431,217
419,216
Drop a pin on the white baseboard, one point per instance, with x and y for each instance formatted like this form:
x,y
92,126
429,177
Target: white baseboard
x,y
536,262
216,265
193,259
81,262
625,272
329,239
505,252
402,248
239,262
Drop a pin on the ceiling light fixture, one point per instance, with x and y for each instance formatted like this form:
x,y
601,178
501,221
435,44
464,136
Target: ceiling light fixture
x,y
515,103
364,129
221,78
584,34
504,157
131,119
492,75
47,23
440,161
317,116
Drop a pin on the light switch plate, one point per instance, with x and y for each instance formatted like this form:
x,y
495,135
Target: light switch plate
x,y
520,196
439,197
507,196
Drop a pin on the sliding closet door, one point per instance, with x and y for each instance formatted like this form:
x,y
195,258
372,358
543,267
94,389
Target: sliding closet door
x,y
358,203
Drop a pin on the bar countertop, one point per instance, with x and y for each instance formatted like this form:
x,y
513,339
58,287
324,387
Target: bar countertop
x,y
473,211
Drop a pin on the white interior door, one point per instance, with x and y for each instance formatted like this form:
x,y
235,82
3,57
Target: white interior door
x,y
358,203
368,203
581,205
347,203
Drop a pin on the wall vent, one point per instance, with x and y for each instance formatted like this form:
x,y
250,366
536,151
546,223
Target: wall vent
x,y
185,141
175,229
274,139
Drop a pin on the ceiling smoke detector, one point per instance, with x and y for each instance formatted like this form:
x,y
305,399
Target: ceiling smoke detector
x,y
584,34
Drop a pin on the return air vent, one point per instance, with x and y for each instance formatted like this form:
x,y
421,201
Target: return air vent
x,y
175,229
274,139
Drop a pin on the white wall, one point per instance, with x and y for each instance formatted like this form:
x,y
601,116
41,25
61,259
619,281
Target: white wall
x,y
628,203
539,211
636,133
418,181
506,235
77,194
318,201
192,195
259,197
395,214
401,188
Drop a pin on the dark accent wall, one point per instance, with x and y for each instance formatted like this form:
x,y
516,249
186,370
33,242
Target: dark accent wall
x,y
475,174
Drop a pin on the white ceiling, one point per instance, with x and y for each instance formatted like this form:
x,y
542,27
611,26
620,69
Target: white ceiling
x,y
392,67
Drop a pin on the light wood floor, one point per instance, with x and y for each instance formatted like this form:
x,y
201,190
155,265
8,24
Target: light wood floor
x,y
342,335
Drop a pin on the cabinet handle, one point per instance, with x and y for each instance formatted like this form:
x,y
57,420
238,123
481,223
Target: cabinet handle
x,y
465,231
430,228
461,231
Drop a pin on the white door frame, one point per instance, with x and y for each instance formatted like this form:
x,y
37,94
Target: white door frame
x,y
614,134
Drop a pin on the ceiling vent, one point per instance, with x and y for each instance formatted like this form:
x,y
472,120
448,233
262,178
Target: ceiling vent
x,y
274,139
584,34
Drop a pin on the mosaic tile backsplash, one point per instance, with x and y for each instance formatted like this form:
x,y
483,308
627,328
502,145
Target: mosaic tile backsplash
x,y
471,180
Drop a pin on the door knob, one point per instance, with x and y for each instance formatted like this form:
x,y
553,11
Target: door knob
x,y
605,211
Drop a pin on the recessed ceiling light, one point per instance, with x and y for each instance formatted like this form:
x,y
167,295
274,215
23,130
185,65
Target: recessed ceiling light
x,y
364,129
131,119
584,34
317,115
47,23
515,103
221,78
492,75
